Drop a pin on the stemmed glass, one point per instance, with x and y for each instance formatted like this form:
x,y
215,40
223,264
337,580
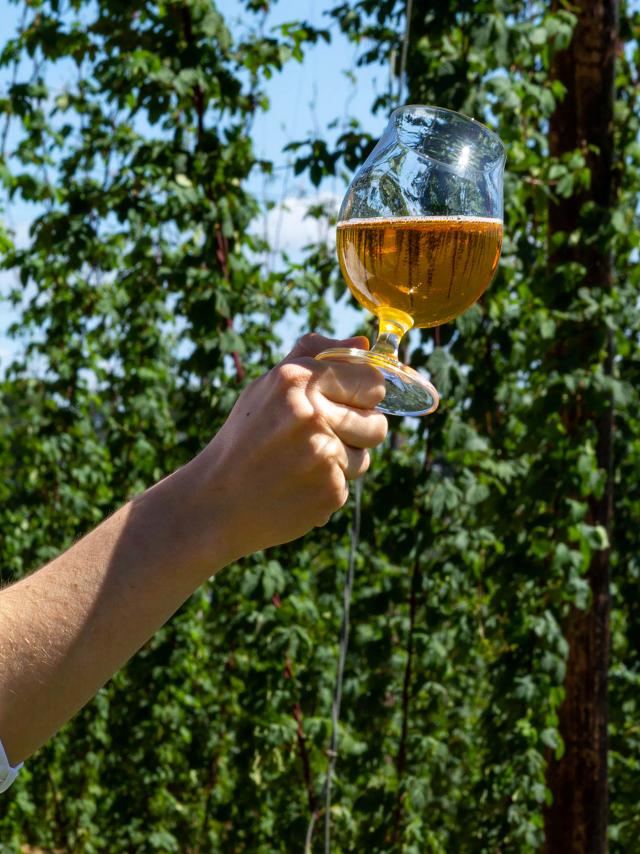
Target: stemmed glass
x,y
419,237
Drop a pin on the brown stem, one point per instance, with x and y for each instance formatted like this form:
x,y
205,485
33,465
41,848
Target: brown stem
x,y
222,244
222,255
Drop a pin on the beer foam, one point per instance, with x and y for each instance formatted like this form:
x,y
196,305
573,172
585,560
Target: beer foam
x,y
391,220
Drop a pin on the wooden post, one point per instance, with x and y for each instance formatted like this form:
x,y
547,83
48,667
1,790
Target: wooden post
x,y
576,822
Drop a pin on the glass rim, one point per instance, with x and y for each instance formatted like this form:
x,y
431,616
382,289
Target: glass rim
x,y
430,109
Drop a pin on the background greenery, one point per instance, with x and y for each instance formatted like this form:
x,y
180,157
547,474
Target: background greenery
x,y
144,308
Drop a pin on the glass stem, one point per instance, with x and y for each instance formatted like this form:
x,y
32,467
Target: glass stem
x,y
393,324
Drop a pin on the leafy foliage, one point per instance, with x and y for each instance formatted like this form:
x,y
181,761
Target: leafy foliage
x,y
143,310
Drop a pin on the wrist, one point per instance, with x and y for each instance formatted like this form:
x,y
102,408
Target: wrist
x,y
192,523
207,512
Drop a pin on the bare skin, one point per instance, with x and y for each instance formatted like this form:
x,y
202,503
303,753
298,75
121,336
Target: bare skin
x,y
279,467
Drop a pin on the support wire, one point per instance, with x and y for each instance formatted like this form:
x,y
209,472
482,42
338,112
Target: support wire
x,y
332,752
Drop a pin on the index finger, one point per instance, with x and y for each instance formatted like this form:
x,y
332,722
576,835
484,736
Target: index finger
x,y
311,344
354,385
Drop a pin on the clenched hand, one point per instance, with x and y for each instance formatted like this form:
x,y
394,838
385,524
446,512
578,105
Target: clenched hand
x,y
293,440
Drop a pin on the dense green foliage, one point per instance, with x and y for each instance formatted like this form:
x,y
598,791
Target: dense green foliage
x,y
144,309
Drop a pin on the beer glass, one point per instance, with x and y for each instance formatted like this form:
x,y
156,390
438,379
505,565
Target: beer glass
x,y
419,236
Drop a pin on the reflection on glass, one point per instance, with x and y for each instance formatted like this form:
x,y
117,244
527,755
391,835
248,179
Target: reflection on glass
x,y
419,236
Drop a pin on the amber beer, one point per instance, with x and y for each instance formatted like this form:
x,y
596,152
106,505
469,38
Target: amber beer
x,y
432,267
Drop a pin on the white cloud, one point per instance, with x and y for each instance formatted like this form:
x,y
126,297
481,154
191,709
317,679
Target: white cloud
x,y
288,227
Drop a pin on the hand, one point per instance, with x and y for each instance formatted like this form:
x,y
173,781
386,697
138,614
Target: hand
x,y
295,437
279,466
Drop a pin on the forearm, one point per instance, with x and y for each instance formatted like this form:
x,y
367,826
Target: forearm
x,y
66,629
278,467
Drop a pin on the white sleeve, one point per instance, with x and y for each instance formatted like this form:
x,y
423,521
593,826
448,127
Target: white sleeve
x,y
7,773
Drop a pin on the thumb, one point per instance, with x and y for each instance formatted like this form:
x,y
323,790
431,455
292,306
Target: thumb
x,y
311,344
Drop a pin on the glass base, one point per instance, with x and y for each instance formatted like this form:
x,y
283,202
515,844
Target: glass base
x,y
408,392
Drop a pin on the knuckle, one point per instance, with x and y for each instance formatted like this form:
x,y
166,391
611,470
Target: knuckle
x,y
298,406
308,340
290,375
319,450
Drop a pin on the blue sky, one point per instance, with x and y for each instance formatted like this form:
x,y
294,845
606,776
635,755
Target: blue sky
x,y
304,99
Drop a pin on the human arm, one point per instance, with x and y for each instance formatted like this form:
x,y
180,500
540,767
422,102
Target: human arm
x,y
278,467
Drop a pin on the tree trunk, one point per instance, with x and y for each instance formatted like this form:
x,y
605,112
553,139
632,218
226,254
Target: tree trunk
x,y
576,822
